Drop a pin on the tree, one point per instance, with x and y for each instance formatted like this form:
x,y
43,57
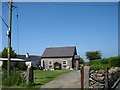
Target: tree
x,y
81,61
93,55
5,53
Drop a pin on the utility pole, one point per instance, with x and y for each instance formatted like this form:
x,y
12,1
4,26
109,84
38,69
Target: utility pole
x,y
9,38
119,29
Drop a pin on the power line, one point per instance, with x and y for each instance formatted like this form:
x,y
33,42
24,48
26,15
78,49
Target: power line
x,y
4,22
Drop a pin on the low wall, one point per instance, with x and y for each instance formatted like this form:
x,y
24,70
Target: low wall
x,y
114,75
97,78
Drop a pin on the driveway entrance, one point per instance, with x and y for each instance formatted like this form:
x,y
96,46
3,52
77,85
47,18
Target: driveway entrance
x,y
69,80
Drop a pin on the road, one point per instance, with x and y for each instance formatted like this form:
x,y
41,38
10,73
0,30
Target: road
x,y
69,80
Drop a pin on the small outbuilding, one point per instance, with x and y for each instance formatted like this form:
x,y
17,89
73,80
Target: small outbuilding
x,y
60,58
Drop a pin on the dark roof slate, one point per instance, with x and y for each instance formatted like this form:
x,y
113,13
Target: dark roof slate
x,y
30,58
59,52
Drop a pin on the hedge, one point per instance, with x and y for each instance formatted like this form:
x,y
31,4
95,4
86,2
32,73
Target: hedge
x,y
105,62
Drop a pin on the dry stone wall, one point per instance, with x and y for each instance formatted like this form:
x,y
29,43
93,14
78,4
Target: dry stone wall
x,y
97,77
114,75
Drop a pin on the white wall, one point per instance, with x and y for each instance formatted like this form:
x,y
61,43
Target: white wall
x,y
28,63
1,62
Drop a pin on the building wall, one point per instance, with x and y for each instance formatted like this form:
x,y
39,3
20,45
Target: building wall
x,y
45,61
1,63
28,63
33,63
76,64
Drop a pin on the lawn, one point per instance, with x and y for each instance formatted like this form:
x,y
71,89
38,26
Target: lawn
x,y
42,77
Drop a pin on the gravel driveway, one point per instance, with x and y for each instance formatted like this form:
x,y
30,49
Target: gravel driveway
x,y
69,80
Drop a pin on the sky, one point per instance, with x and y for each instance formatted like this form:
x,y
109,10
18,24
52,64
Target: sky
x,y
89,26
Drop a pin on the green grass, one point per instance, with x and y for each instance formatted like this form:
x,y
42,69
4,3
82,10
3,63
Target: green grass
x,y
43,77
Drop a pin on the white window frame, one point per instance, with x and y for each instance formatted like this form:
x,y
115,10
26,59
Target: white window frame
x,y
65,61
49,62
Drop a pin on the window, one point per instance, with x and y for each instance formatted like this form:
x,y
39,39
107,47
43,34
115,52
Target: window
x,y
50,62
64,62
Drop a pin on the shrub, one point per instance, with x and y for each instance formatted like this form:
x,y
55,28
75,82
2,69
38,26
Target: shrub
x,y
15,65
21,66
106,62
114,61
14,79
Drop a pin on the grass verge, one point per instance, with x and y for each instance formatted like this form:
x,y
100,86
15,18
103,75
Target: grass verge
x,y
42,77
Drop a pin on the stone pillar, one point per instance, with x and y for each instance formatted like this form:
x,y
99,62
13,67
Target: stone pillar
x,y
29,75
86,77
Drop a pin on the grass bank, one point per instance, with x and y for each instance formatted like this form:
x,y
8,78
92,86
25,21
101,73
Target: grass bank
x,y
105,62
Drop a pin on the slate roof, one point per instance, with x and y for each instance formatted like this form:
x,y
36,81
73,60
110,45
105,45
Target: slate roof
x,y
59,52
30,58
23,57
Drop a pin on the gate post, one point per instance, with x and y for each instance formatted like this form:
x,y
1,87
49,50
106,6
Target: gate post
x,y
29,76
86,76
82,77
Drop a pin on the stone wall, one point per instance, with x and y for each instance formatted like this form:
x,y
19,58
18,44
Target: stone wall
x,y
114,74
59,60
97,77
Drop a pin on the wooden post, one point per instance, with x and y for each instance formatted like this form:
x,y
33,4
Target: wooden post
x,y
9,38
82,76
106,77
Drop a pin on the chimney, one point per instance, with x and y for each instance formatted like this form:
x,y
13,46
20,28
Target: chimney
x,y
27,55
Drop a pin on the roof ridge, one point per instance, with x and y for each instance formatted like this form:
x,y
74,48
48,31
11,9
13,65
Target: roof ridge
x,y
61,47
29,55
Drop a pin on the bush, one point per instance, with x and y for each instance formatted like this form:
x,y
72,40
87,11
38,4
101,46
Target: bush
x,y
21,66
106,62
15,65
114,61
14,79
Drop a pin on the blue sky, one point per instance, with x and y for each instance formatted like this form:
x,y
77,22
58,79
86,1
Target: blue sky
x,y
88,26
